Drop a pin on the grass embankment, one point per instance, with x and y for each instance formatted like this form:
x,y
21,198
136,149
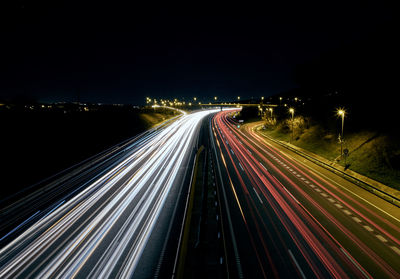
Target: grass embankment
x,y
371,154
153,119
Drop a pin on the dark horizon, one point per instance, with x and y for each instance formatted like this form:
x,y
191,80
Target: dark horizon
x,y
122,54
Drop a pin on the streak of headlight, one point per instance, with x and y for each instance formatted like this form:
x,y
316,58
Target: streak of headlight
x,y
122,205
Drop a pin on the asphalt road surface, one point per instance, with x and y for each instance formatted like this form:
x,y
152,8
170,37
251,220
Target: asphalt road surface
x,y
118,223
289,218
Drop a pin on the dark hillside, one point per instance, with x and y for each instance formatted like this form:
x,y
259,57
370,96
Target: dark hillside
x,y
40,140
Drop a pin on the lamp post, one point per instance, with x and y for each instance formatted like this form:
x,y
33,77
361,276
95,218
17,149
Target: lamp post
x,y
271,110
291,110
341,113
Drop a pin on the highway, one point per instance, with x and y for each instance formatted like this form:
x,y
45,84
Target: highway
x,y
120,221
285,217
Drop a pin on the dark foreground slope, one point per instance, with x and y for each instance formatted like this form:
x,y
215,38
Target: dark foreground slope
x,y
38,141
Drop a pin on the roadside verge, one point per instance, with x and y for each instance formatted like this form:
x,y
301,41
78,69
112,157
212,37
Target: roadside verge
x,y
385,192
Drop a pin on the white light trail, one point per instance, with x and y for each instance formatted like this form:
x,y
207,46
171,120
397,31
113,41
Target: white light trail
x,y
112,217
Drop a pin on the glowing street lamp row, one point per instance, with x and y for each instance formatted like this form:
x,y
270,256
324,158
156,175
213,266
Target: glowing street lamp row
x,y
176,102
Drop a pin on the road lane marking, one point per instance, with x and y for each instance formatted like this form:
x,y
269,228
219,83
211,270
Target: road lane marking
x,y
331,200
297,264
338,205
324,195
263,166
241,167
368,228
346,211
395,249
291,195
356,219
338,184
355,263
257,195
381,238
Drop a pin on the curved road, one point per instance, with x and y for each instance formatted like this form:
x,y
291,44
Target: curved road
x,y
286,217
104,229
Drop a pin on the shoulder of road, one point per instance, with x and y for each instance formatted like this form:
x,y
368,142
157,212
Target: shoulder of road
x,y
387,193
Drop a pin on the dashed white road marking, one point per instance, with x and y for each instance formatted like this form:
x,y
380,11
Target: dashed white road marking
x,y
324,195
297,264
381,238
396,250
368,228
341,186
263,166
355,263
257,195
317,189
338,205
356,219
346,211
331,200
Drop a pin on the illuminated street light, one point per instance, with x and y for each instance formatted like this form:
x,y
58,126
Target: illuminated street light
x,y
291,110
262,98
195,98
215,98
341,113
271,110
239,98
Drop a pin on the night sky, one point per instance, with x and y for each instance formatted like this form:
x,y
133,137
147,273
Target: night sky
x,y
121,54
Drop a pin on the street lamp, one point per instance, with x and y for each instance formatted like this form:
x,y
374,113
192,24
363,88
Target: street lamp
x,y
271,110
238,98
341,113
291,110
215,98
